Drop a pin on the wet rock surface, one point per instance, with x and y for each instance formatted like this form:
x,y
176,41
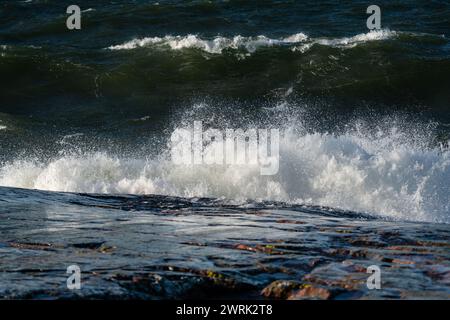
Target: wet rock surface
x,y
150,247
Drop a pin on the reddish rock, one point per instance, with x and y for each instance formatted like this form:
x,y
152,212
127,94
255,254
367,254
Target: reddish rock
x,y
310,292
269,249
244,247
33,246
280,289
398,261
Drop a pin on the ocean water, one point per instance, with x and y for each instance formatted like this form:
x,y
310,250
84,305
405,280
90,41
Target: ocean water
x,y
86,118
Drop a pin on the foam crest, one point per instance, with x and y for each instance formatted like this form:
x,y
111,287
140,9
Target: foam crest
x,y
218,44
215,45
349,42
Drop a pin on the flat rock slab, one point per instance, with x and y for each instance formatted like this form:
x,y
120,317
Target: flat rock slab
x,y
155,247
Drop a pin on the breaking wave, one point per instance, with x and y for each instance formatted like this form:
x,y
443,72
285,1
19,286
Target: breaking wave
x,y
218,44
380,174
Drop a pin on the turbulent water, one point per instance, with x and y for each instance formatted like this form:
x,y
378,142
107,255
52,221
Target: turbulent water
x,y
364,115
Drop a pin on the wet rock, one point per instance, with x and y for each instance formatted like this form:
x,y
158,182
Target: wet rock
x,y
345,282
198,251
146,286
439,272
280,289
353,267
400,261
311,292
106,249
408,249
346,252
88,245
244,247
96,246
366,242
33,246
434,244
219,279
290,221
269,249
315,262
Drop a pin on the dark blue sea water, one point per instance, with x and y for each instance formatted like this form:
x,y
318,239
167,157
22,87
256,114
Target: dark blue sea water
x,y
86,118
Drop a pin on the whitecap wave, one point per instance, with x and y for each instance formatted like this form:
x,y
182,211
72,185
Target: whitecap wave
x,y
349,42
216,45
349,171
299,41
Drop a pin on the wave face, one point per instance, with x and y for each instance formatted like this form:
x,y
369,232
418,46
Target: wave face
x,y
144,76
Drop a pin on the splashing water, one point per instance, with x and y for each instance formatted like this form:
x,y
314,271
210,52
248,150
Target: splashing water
x,y
383,174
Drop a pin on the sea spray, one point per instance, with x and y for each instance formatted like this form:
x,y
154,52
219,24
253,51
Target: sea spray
x,y
348,171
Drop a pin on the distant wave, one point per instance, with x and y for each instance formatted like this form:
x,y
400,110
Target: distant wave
x,y
250,44
216,45
349,41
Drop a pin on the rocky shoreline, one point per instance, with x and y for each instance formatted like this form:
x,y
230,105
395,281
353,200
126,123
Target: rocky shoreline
x,y
168,248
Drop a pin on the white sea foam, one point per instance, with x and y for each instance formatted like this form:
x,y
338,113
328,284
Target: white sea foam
x,y
349,171
218,44
374,35
349,42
